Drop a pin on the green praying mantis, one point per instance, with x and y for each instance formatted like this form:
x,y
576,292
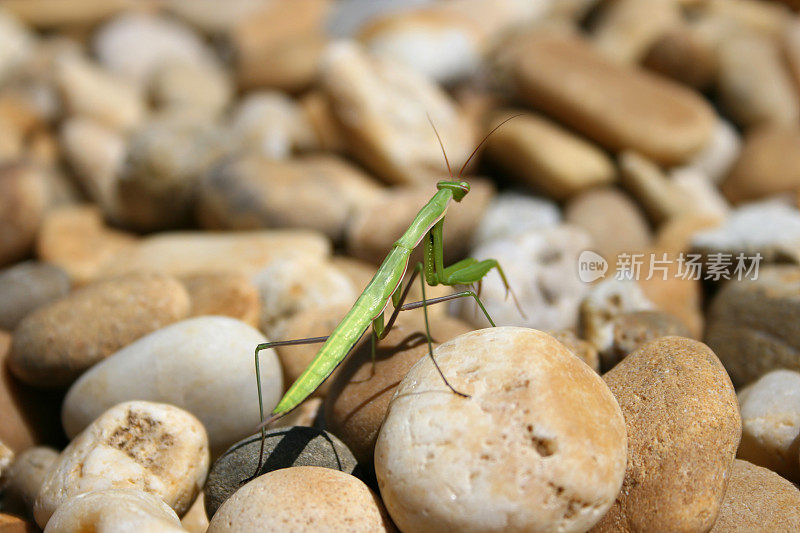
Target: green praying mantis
x,y
386,286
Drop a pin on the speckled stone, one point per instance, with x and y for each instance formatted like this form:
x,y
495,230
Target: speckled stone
x,y
283,448
538,446
302,499
683,430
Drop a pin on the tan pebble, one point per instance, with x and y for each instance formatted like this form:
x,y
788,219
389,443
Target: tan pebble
x,y
154,447
704,198
674,295
18,43
195,519
525,452
614,221
223,293
675,235
283,499
358,399
626,108
681,413
767,18
634,330
684,54
77,239
754,84
659,196
23,479
48,14
115,509
15,524
187,252
549,158
625,29
752,324
23,201
758,499
791,50
317,109
56,343
384,108
584,350
376,226
768,164
193,86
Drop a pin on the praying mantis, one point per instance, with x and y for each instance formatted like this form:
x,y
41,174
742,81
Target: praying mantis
x,y
386,286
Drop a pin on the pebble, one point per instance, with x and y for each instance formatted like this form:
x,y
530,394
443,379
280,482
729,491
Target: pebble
x,y
154,447
661,198
683,430
26,286
280,500
627,108
771,229
614,221
76,239
770,408
187,252
251,192
359,396
384,109
15,524
625,30
23,201
196,87
59,341
547,157
115,509
768,164
757,499
16,42
195,519
203,365
540,267
681,298
223,293
283,448
791,49
136,44
288,286
685,54
584,350
753,82
512,213
23,479
373,229
6,457
633,330
557,452
720,154
702,194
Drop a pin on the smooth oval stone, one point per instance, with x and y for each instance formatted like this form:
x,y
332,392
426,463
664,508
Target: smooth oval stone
x,y
204,365
283,448
302,499
154,447
758,499
26,286
683,430
539,445
58,342
617,106
223,293
23,479
109,510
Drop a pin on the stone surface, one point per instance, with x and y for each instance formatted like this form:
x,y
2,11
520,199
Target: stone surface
x,y
584,350
547,157
58,342
540,267
683,430
23,479
512,213
685,54
283,500
557,452
612,219
385,108
76,239
769,163
197,87
195,519
204,365
223,293
115,509
283,448
770,408
6,457
716,159
27,286
625,30
757,499
375,227
359,397
180,253
626,108
154,447
633,330
23,200
752,324
661,198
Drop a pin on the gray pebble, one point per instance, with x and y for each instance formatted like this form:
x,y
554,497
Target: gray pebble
x,y
25,287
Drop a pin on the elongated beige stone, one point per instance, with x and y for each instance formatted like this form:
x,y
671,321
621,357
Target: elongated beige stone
x,y
620,107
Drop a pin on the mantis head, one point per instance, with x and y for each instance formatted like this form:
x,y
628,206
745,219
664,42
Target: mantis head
x,y
458,188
